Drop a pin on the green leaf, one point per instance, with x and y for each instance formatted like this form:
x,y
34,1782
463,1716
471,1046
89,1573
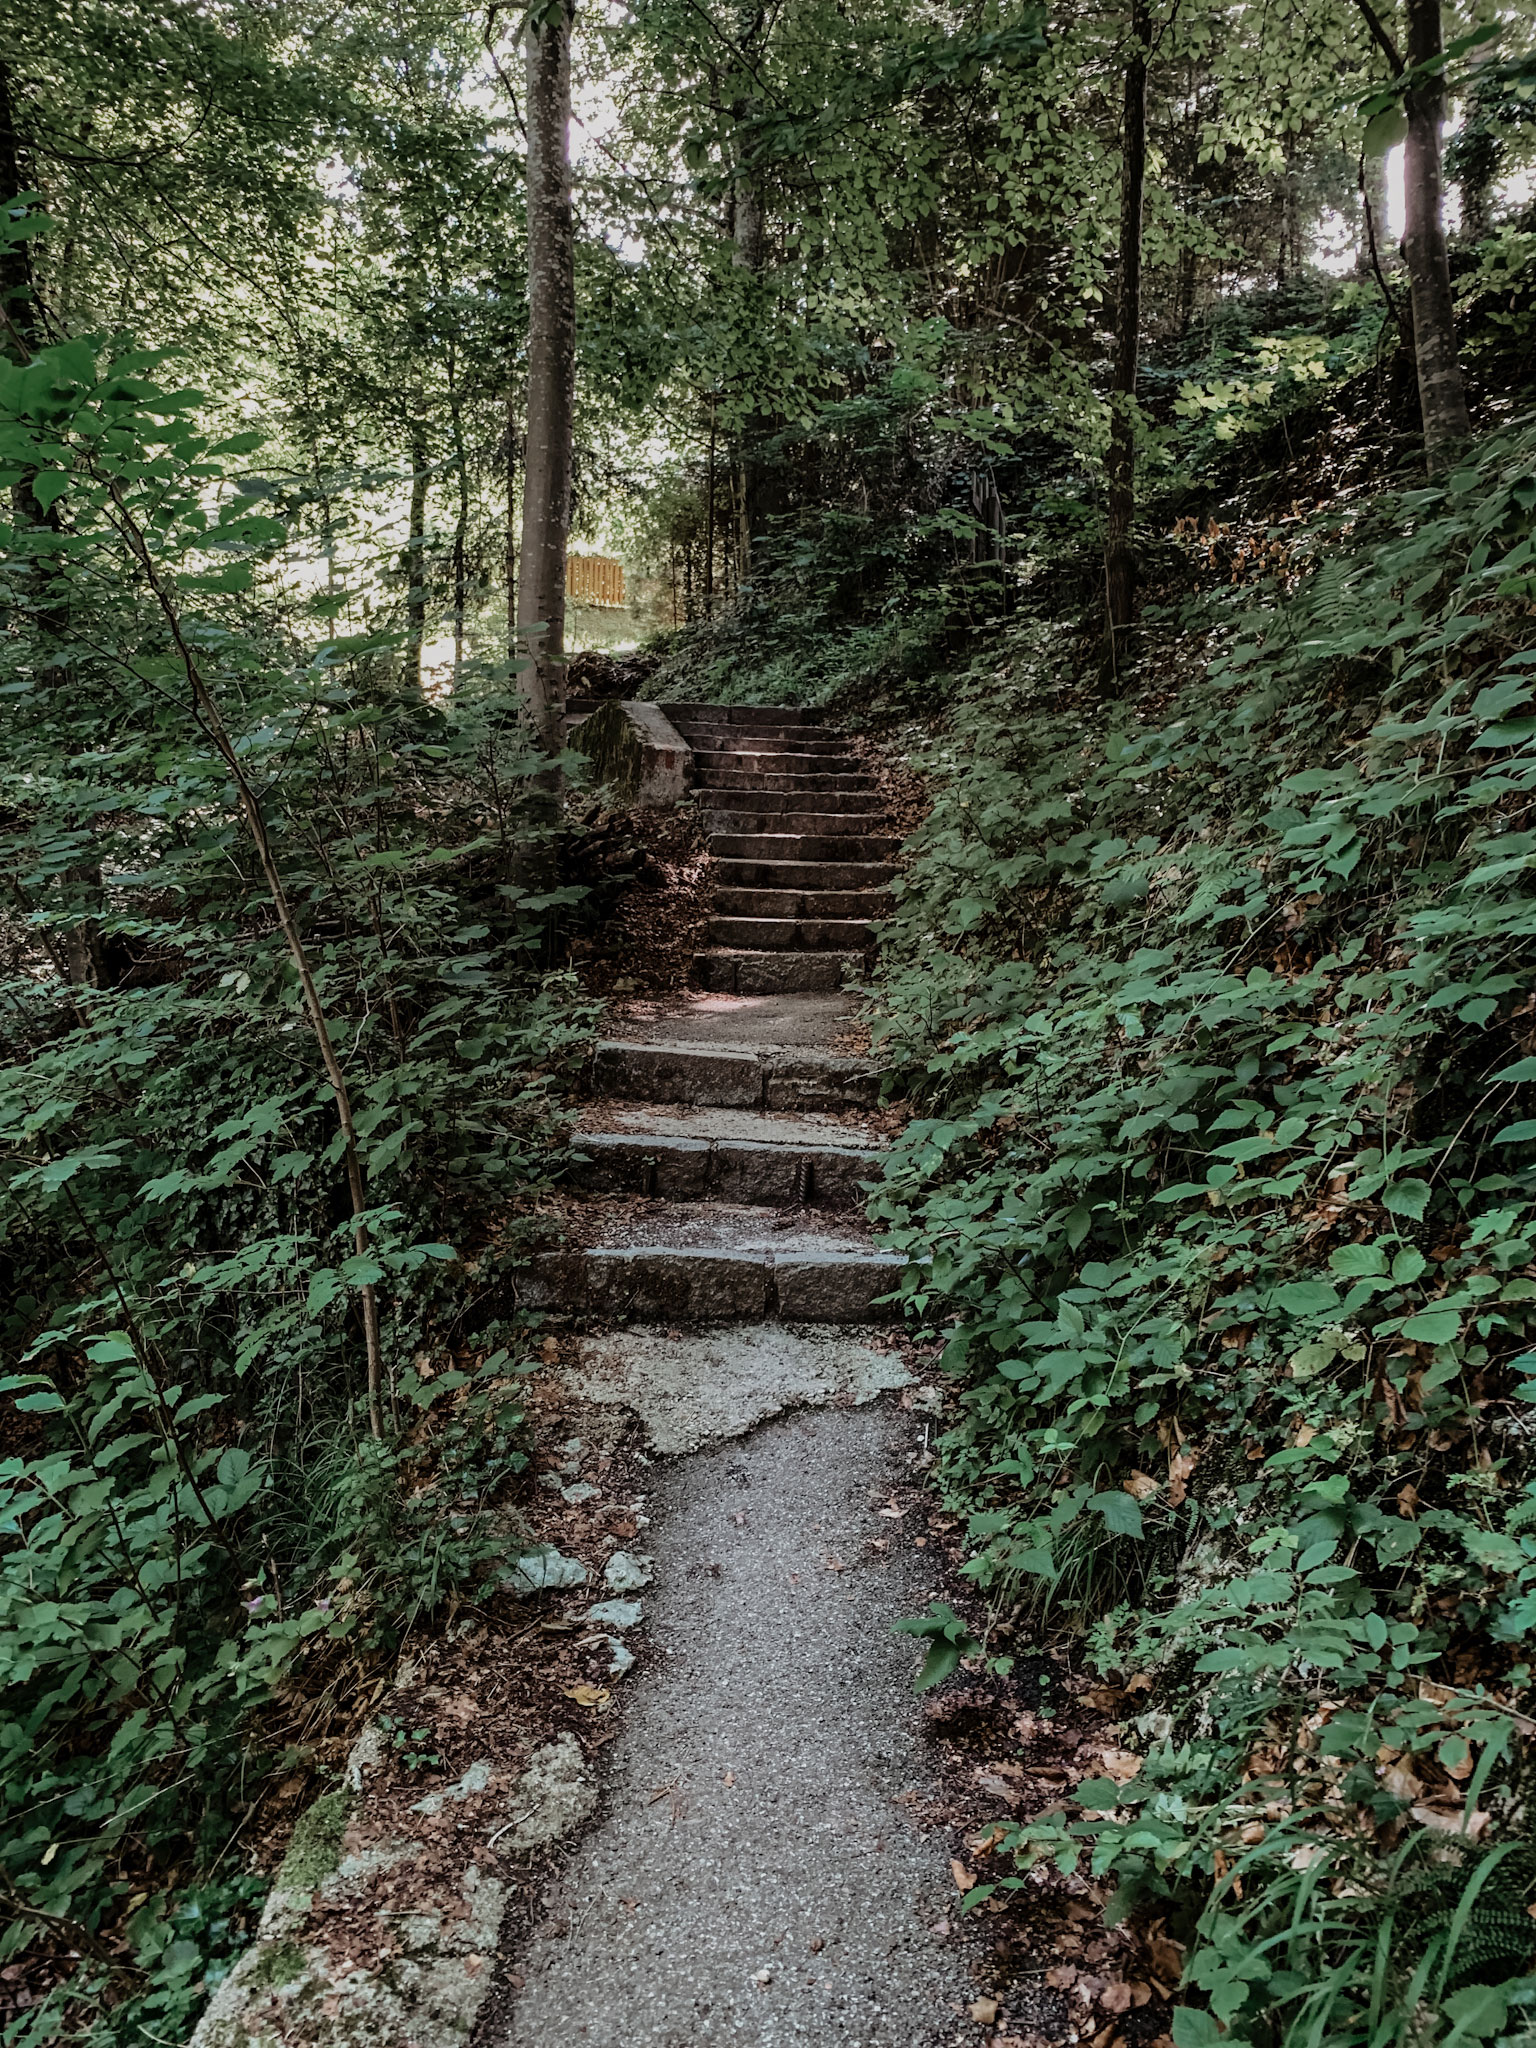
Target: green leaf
x,y
1406,1198
1308,1298
1121,1513
1433,1326
1383,131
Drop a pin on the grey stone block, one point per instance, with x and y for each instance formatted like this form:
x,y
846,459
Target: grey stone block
x,y
820,1081
677,1073
836,1287
663,1281
673,1169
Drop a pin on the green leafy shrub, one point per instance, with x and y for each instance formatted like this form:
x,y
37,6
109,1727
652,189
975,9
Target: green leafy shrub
x,y
273,1030
1217,1007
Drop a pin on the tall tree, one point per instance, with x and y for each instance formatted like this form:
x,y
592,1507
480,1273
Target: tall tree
x,y
551,367
1442,395
1119,559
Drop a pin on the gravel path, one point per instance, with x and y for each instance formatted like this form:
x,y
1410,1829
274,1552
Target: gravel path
x,y
755,1877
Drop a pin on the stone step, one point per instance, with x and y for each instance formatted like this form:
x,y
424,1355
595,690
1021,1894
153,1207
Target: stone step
x,y
770,715
765,802
731,1076
706,739
786,934
750,761
814,903
725,1155
802,874
847,840
721,1265
791,785
729,973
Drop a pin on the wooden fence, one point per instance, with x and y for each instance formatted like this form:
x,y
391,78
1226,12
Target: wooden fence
x,y
594,579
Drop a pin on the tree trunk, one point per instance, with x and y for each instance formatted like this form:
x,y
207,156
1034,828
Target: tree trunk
x,y
21,332
1442,397
416,564
709,519
1119,560
551,370
511,540
461,519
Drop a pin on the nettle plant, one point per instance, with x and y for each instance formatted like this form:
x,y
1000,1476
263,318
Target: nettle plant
x,y
276,1053
1223,1020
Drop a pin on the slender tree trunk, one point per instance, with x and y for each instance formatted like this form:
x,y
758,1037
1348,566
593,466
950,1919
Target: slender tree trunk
x,y
20,329
551,369
511,540
1119,560
1442,396
461,519
709,519
416,564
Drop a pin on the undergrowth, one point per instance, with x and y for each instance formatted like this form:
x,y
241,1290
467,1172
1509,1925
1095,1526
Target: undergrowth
x,y
1216,1002
217,1520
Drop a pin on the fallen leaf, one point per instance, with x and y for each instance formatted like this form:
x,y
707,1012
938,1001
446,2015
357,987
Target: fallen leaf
x,y
594,1696
983,2011
816,1944
1402,1783
1104,1699
1120,1764
1166,1956
1140,1485
895,1513
1142,1682
1116,1998
1061,1976
1448,1821
1180,1465
1141,1994
963,1879
1104,2036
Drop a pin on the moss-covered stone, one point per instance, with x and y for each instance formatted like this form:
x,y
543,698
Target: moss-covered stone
x,y
275,1965
611,744
315,1849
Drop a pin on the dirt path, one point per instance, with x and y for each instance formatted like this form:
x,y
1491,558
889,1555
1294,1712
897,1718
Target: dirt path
x,y
755,1875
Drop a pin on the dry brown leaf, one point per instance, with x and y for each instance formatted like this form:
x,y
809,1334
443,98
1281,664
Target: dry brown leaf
x,y
1402,1783
1061,1976
1120,1764
1116,1997
1166,1956
1140,1485
1448,1820
963,1879
1104,2036
983,2011
1180,1466
594,1696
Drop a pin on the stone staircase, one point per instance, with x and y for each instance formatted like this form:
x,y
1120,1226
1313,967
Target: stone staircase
x,y
727,1142
800,857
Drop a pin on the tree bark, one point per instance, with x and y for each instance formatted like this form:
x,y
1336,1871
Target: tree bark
x,y
1119,559
416,564
511,539
1442,395
551,370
